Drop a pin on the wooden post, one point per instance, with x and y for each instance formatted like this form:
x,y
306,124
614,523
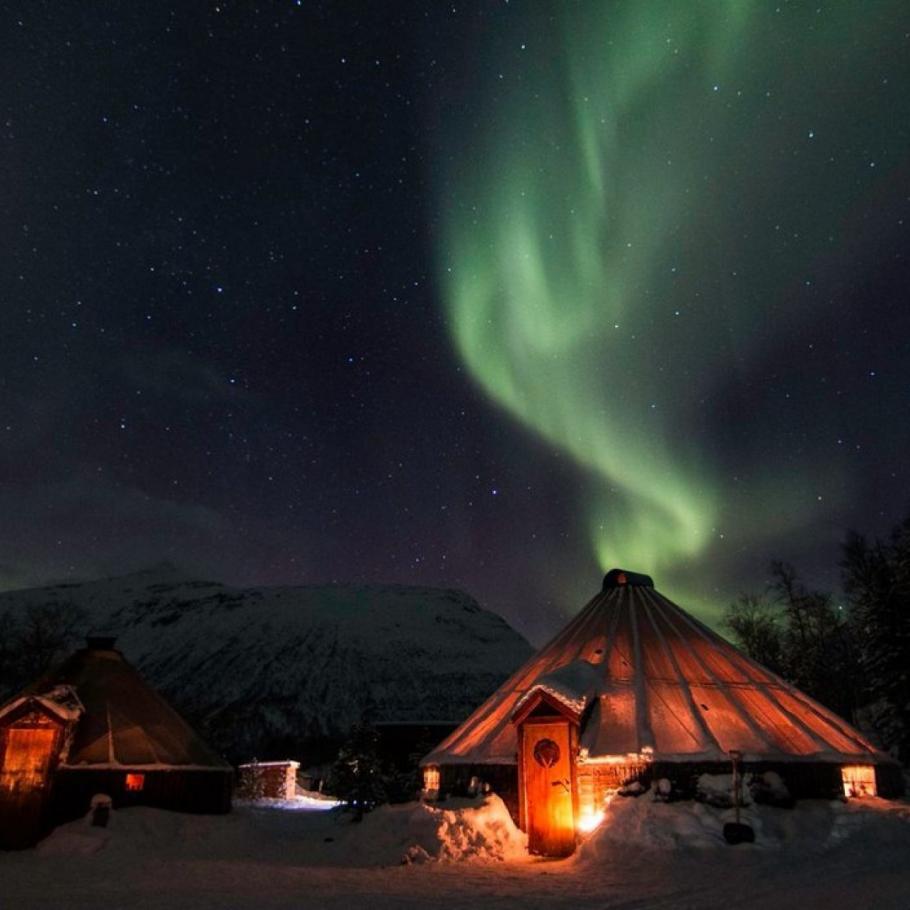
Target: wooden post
x,y
736,832
735,756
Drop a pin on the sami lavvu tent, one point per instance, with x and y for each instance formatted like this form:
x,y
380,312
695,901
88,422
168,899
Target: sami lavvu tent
x,y
94,726
633,689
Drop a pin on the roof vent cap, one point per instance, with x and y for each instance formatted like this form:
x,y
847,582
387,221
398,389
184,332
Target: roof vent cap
x,y
101,642
620,578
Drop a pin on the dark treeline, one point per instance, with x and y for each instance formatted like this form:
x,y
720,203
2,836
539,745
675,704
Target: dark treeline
x,y
850,652
34,640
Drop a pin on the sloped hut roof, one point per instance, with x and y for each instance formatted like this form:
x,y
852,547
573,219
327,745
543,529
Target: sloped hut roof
x,y
60,702
648,679
124,722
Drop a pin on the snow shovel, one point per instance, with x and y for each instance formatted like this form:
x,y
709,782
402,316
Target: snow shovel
x,y
737,832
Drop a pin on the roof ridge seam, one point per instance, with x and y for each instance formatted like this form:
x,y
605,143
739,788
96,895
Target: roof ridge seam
x,y
111,755
680,679
642,721
708,636
738,708
824,714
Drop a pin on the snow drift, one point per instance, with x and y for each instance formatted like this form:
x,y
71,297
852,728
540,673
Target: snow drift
x,y
463,830
811,827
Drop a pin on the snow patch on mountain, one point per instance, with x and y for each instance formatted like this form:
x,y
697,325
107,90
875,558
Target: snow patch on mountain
x,y
265,665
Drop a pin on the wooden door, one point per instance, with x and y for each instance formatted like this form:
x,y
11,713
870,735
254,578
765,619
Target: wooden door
x,y
27,752
548,780
27,758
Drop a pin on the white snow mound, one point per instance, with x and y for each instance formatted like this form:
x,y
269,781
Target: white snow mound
x,y
813,826
478,830
717,789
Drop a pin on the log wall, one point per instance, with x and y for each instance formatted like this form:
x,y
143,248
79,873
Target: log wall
x,y
201,792
271,780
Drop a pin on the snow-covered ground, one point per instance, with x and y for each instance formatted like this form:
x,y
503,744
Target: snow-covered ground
x,y
307,801
469,855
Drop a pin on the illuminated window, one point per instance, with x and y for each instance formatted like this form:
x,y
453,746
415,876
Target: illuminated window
x,y
135,782
431,778
28,755
859,780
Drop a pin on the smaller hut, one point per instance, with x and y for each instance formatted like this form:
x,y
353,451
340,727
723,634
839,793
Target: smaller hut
x,y
35,731
94,726
268,780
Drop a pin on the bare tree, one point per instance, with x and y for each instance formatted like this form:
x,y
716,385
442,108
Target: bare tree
x,y
35,639
757,627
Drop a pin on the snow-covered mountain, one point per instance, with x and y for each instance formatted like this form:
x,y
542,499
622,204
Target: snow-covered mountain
x,y
260,666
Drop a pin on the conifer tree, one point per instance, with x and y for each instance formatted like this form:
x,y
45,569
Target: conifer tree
x,y
876,577
356,777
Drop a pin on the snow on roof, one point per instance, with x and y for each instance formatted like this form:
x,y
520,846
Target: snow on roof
x,y
571,685
61,701
656,682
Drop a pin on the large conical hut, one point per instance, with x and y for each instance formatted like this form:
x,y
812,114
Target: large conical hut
x,y
635,689
93,727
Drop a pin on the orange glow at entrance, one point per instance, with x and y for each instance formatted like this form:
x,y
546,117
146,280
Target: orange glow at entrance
x,y
547,787
27,757
589,821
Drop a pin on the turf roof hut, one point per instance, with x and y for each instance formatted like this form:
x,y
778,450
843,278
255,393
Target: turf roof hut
x,y
634,688
91,726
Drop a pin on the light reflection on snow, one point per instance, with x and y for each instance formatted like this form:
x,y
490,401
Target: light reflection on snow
x,y
297,804
589,821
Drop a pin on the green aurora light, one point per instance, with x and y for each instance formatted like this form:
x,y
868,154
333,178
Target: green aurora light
x,y
617,245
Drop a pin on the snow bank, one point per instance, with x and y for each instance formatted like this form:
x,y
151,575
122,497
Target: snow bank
x,y
717,790
301,830
477,830
478,833
833,855
651,824
813,826
127,831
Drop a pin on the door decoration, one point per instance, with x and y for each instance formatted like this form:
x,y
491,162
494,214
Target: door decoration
x,y
546,753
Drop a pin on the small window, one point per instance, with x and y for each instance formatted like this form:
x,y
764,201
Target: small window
x,y
431,778
859,780
135,782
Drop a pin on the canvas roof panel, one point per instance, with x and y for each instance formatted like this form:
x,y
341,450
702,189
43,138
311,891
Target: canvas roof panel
x,y
665,682
126,723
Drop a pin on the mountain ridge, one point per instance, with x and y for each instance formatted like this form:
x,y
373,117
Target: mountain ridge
x,y
261,668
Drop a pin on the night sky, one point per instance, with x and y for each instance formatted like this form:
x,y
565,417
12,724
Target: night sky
x,y
489,295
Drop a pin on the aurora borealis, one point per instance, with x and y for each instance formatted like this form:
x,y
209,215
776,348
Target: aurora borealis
x,y
660,201
487,295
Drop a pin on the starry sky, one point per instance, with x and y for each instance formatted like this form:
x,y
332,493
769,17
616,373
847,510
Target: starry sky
x,y
490,295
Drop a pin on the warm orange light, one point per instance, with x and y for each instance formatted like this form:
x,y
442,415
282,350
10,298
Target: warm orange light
x,y
431,778
589,820
28,755
135,782
859,780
